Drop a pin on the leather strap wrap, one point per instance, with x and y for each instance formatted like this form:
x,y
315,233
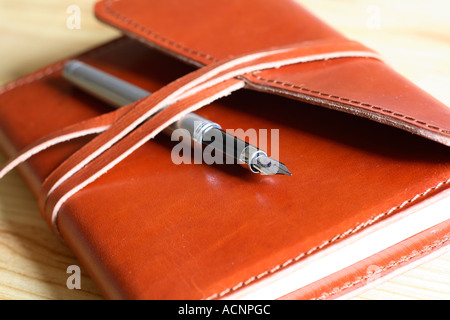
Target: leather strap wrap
x,y
124,130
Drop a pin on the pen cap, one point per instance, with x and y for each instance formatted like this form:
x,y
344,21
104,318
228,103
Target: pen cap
x,y
110,89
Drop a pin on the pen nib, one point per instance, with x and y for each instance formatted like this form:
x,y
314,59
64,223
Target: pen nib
x,y
269,166
282,169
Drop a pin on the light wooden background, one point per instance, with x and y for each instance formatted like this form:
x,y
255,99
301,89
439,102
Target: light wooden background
x,y
414,36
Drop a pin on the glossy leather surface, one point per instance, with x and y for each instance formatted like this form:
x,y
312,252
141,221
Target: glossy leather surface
x,y
152,229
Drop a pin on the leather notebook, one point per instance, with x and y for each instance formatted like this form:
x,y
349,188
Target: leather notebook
x,y
368,151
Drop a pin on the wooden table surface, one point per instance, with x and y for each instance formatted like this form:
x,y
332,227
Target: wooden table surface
x,y
414,36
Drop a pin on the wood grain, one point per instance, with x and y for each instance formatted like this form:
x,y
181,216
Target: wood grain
x,y
414,36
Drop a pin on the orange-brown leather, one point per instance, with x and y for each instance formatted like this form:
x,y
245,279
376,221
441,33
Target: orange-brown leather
x,y
105,151
151,229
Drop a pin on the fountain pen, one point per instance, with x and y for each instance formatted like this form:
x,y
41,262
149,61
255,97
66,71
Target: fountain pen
x,y
119,93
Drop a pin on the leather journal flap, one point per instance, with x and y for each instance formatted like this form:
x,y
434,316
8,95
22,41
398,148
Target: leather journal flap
x,y
201,32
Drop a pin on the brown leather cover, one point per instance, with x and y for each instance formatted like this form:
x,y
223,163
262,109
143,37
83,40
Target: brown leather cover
x,y
151,229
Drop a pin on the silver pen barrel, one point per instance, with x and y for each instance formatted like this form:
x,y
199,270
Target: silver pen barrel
x,y
119,93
